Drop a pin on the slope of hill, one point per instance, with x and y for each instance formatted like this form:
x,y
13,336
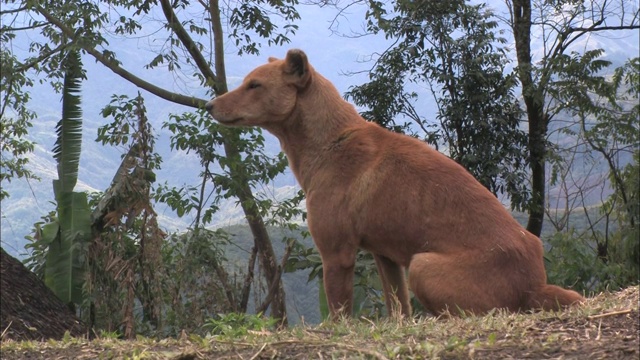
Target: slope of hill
x,y
604,327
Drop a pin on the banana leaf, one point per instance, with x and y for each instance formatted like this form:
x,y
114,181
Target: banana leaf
x,y
65,268
64,265
68,144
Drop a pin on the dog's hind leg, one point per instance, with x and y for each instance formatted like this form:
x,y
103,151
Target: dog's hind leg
x,y
394,285
459,284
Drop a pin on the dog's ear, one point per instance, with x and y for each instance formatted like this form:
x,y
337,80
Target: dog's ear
x,y
297,68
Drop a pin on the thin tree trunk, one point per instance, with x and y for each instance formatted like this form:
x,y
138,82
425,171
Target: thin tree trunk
x,y
260,236
537,150
246,288
533,99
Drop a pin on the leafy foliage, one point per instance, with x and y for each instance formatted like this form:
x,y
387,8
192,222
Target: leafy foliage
x,y
124,260
368,299
232,173
198,133
69,129
43,233
65,265
455,49
234,325
250,16
199,286
16,119
127,258
573,261
607,254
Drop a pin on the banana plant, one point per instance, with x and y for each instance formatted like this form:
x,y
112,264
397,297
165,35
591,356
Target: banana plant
x,y
70,236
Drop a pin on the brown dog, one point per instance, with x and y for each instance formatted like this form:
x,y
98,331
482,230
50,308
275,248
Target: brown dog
x,y
393,195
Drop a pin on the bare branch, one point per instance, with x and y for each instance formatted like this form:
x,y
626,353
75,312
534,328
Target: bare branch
x,y
13,11
604,28
14,29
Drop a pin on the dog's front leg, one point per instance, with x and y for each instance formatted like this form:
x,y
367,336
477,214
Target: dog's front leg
x,y
338,286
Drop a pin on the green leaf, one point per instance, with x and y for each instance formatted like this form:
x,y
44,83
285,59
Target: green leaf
x,y
69,129
64,270
50,232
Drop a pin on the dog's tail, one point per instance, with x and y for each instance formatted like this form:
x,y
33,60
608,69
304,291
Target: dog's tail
x,y
551,297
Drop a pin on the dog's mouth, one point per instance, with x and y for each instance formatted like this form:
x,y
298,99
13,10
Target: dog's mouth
x,y
229,121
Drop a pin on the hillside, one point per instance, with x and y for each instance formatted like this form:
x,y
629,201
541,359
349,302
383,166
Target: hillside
x,y
31,310
604,327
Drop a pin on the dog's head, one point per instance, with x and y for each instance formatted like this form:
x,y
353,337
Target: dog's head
x,y
267,95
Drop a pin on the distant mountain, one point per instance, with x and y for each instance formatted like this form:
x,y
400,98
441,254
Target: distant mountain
x,y
31,200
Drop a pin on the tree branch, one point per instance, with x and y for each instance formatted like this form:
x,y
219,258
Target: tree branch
x,y
275,282
15,29
12,11
189,44
218,44
603,28
40,58
113,66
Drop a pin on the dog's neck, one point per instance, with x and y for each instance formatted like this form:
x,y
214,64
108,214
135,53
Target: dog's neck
x,y
320,118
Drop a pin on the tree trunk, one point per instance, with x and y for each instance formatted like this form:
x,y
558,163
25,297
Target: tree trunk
x,y
537,162
260,236
261,239
533,99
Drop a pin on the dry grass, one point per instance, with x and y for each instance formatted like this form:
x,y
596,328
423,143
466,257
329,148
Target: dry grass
x,y
605,327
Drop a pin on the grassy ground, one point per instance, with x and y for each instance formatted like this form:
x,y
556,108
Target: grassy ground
x,y
605,327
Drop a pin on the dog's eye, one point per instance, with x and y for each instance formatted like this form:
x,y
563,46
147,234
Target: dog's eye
x,y
254,85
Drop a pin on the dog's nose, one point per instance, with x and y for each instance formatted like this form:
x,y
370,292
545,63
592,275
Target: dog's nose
x,y
209,106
